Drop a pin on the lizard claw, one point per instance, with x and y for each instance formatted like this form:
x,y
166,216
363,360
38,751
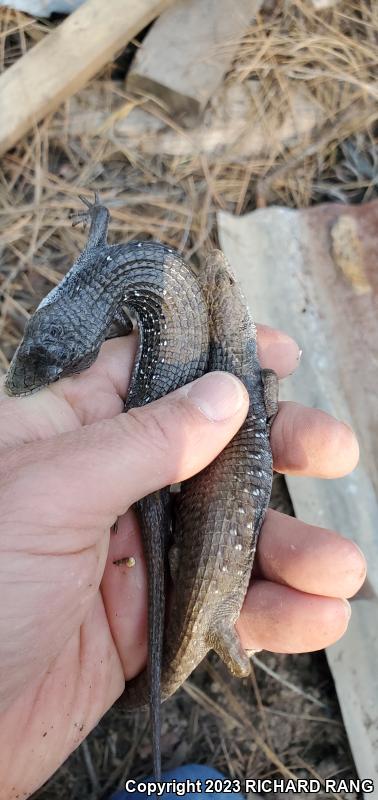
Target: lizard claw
x,y
88,202
86,214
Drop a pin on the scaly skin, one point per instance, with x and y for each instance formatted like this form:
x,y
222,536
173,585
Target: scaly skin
x,y
218,514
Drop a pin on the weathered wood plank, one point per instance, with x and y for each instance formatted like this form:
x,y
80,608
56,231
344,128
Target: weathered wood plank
x,y
183,59
66,59
229,130
314,274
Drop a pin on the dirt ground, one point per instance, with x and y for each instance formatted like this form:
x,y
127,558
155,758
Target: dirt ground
x,y
286,717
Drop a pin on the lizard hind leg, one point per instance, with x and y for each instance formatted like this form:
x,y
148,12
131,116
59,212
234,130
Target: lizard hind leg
x,y
121,325
224,639
270,384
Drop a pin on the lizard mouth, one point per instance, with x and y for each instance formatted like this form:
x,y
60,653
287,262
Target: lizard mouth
x,y
20,392
25,380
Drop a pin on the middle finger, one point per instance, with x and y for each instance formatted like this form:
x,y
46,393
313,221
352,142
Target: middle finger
x,y
307,558
307,441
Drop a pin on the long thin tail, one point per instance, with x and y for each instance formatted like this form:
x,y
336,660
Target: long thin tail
x,y
154,516
154,667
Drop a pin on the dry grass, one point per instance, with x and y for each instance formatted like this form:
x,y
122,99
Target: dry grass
x,y
330,57
333,58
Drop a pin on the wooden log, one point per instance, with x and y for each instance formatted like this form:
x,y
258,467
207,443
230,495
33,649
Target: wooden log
x,y
313,274
183,59
66,59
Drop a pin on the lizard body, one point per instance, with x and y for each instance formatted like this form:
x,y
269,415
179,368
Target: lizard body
x,y
219,512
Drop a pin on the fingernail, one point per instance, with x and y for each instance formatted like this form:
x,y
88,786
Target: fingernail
x,y
348,608
297,361
219,395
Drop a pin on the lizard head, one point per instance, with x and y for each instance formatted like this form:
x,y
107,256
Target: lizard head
x,y
50,350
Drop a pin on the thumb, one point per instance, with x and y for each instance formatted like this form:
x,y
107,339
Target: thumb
x,y
179,435
100,470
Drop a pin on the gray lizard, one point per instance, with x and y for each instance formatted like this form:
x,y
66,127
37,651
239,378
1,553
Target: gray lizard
x,y
218,513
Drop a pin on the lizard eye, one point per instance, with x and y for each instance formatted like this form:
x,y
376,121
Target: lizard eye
x,y
56,331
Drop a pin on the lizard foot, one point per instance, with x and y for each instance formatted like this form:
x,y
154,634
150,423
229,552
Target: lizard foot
x,y
270,383
86,215
226,643
98,216
121,325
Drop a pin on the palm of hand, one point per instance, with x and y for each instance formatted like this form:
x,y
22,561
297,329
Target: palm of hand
x,y
62,669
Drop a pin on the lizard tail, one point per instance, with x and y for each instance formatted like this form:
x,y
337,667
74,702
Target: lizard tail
x,y
155,640
153,512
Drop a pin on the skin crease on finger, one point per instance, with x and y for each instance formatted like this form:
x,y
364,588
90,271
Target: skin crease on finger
x,y
309,441
308,558
273,619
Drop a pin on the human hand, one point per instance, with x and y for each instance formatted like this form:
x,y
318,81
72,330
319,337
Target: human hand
x,y
73,624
